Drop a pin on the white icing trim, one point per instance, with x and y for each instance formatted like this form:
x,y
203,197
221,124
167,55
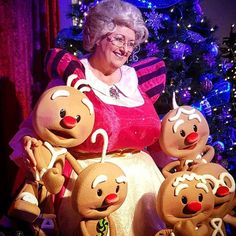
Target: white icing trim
x,y
89,104
70,78
60,93
182,110
216,223
202,186
195,116
99,179
121,179
28,197
177,124
179,188
188,177
105,138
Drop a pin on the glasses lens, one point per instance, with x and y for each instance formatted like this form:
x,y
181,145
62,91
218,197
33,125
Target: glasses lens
x,y
119,41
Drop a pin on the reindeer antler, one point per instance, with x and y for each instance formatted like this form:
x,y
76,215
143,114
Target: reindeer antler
x,y
79,82
105,144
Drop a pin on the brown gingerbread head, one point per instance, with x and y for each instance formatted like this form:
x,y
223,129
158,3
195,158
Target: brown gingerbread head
x,y
63,116
184,135
223,187
185,196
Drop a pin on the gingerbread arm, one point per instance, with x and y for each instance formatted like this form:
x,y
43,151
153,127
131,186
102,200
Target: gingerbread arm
x,y
75,165
231,217
166,171
112,226
83,229
208,153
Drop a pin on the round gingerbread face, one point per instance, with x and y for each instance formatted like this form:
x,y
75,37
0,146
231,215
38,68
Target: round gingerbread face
x,y
99,190
184,133
63,116
223,186
184,196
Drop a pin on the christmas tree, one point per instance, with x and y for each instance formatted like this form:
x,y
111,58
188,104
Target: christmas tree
x,y
197,71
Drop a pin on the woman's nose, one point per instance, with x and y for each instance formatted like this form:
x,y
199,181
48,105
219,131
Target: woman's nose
x,y
125,48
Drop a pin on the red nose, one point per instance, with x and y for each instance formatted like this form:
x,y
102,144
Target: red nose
x,y
194,206
69,122
111,198
222,191
191,138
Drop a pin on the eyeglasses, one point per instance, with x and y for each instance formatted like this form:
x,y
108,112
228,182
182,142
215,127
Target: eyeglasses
x,y
119,41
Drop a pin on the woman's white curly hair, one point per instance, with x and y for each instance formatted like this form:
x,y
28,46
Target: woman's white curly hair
x,y
104,17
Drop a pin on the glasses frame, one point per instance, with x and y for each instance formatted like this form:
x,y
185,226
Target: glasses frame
x,y
115,42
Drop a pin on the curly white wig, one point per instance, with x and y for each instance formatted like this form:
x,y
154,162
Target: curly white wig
x,y
103,18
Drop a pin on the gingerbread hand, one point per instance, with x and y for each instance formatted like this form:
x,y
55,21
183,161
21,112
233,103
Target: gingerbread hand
x,y
165,232
186,228
29,144
230,219
53,180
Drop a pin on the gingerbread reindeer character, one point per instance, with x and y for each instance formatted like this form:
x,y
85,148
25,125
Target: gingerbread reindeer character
x,y
99,190
223,187
62,118
184,202
184,135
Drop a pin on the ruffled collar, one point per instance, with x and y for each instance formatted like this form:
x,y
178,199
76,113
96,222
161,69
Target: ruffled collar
x,y
123,93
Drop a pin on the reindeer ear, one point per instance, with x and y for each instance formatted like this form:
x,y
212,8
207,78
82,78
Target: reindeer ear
x,y
74,81
70,79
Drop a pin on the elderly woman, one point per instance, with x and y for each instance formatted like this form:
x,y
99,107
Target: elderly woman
x,y
123,98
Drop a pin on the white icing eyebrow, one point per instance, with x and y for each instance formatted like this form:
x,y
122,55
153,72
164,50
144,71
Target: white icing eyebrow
x,y
60,93
177,124
188,177
182,110
195,116
202,186
121,179
179,188
88,104
99,179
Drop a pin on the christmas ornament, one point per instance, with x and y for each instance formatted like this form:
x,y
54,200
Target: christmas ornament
x,y
177,50
213,49
218,146
209,59
194,37
152,49
205,76
154,20
206,107
220,94
226,65
206,85
210,139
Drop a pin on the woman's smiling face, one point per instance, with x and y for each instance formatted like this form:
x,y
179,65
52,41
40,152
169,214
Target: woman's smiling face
x,y
115,48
